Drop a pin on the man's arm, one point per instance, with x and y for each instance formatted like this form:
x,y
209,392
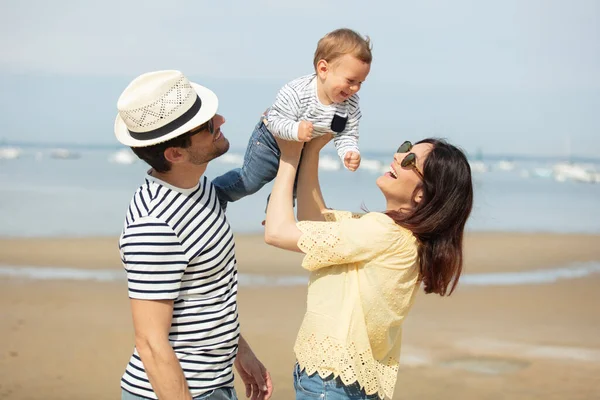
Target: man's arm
x,y
148,245
151,322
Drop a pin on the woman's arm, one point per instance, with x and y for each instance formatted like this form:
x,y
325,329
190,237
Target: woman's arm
x,y
280,224
310,199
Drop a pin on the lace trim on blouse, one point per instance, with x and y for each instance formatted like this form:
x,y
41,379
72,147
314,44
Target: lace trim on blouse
x,y
314,353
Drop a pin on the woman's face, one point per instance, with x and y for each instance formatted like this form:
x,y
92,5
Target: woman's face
x,y
399,184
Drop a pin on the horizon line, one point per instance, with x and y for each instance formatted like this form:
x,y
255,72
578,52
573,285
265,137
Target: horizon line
x,y
478,154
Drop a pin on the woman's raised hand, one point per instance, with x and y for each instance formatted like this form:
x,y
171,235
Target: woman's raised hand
x,y
290,150
316,144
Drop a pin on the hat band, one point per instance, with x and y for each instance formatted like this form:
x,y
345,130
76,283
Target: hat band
x,y
171,126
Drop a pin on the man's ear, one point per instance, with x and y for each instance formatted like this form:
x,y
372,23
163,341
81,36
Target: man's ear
x,y
175,155
322,69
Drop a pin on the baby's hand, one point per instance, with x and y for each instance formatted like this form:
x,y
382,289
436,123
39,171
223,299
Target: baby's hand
x,y
305,131
352,160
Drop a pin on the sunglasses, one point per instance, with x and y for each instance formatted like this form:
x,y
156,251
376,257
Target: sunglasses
x,y
410,160
207,126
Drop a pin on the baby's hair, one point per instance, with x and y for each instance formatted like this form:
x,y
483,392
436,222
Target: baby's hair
x,y
341,42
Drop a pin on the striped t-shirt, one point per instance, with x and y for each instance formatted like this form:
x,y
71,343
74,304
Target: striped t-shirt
x,y
298,101
177,244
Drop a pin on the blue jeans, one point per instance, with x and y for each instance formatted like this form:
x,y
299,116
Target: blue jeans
x,y
224,393
260,166
330,388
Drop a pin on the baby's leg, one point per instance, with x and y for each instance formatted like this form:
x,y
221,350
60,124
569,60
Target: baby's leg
x,y
261,162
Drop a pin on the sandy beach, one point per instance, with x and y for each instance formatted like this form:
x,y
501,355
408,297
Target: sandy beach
x,y
71,339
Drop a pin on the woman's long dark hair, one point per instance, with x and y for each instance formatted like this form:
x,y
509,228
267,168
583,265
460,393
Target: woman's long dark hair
x,y
438,220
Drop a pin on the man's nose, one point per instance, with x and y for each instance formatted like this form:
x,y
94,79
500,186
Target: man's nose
x,y
219,120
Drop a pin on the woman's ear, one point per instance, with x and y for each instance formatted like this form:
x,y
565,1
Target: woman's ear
x,y
418,195
175,155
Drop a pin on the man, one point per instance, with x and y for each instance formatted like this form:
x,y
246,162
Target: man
x,y
178,250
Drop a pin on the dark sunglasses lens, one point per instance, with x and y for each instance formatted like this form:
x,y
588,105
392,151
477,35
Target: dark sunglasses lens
x,y
404,147
410,159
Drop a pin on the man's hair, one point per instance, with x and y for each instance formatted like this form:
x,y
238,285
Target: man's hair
x,y
341,42
155,155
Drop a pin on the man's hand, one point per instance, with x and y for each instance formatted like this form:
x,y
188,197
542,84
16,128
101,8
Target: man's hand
x,y
305,131
253,373
352,160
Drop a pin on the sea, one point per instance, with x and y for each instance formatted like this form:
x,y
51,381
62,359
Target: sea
x,y
85,192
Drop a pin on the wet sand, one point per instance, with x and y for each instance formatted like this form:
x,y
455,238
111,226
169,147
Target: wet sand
x,y
72,339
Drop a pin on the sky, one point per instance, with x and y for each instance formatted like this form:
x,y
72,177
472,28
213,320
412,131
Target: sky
x,y
504,77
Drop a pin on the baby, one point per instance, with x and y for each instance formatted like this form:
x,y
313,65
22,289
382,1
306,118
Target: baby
x,y
310,106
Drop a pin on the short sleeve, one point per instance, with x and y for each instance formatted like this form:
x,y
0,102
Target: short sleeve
x,y
337,215
153,258
345,240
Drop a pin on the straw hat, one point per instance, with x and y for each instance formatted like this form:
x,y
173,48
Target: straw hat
x,y
161,105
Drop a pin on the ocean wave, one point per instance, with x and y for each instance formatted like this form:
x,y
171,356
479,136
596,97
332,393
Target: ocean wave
x,y
534,277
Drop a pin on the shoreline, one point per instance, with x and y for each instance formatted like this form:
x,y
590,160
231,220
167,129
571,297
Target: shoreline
x,y
483,252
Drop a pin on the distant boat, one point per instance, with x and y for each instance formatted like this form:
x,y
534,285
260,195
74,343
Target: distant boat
x,y
505,165
478,167
542,172
64,154
123,156
575,172
371,165
328,163
569,170
9,153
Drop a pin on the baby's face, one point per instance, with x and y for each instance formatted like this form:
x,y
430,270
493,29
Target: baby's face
x,y
344,77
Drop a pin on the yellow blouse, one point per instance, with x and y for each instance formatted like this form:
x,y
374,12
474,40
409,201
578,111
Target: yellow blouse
x,y
362,285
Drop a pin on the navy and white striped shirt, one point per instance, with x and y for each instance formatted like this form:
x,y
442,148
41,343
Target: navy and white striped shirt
x,y
298,101
178,245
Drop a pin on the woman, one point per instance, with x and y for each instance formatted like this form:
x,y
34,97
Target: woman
x,y
366,269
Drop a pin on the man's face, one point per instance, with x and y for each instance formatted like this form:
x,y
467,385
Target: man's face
x,y
207,146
